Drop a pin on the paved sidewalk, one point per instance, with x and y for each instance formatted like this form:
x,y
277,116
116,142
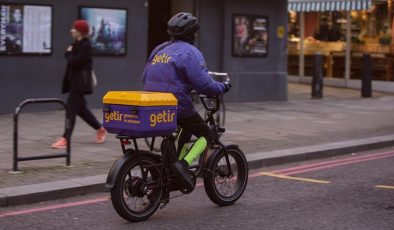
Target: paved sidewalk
x,y
256,127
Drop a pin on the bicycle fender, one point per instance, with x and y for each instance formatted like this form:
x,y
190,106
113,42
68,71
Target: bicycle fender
x,y
118,164
217,151
114,171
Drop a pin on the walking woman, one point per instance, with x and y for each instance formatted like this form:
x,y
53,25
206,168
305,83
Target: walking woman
x,y
78,82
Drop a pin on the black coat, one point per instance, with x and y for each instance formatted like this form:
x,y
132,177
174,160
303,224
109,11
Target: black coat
x,y
78,76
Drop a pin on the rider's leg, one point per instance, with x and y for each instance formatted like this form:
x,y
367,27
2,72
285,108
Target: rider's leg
x,y
183,140
183,152
196,126
198,147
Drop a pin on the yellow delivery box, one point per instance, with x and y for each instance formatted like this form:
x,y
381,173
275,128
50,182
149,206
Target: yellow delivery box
x,y
139,113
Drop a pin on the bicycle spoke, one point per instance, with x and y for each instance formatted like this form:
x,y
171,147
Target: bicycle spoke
x,y
227,185
135,191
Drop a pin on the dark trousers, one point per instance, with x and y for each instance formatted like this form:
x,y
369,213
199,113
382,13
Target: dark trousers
x,y
77,105
193,125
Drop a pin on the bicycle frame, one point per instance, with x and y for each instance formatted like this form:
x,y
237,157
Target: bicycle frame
x,y
216,129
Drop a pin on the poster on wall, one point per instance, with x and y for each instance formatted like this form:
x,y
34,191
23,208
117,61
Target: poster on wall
x,y
25,29
250,36
108,29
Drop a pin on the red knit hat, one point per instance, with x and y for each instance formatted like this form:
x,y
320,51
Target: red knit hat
x,y
82,26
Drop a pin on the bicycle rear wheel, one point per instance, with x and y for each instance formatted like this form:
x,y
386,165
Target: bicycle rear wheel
x,y
133,198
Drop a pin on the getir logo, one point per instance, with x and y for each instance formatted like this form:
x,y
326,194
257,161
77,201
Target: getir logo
x,y
163,58
163,117
113,116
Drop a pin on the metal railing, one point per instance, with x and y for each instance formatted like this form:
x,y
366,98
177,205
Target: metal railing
x,y
18,109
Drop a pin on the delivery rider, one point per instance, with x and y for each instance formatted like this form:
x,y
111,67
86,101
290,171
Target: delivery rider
x,y
178,67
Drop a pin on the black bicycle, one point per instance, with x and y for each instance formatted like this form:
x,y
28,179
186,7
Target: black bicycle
x,y
141,181
220,115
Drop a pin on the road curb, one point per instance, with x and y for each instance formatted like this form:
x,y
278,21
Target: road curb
x,y
81,186
285,156
51,190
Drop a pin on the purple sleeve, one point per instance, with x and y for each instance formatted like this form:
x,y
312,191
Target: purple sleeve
x,y
198,77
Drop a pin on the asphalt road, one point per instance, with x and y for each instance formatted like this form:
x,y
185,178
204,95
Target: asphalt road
x,y
350,192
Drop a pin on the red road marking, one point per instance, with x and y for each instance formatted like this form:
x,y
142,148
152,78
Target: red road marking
x,y
321,165
287,171
56,206
334,165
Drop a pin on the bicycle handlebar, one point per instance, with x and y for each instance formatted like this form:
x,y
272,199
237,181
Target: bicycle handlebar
x,y
212,109
220,77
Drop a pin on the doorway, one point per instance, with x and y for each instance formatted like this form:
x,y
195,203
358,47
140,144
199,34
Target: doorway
x,y
159,14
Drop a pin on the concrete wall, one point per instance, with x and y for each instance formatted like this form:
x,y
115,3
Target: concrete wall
x,y
24,77
254,79
210,38
182,6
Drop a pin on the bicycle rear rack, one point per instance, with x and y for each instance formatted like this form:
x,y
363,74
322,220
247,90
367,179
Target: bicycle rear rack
x,y
18,109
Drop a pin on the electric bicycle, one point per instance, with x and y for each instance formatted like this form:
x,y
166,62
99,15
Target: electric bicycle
x,y
142,181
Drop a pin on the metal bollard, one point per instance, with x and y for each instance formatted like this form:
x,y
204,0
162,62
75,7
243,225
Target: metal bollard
x,y
366,80
317,79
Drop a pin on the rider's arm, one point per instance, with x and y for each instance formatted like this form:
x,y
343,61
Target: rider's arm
x,y
198,77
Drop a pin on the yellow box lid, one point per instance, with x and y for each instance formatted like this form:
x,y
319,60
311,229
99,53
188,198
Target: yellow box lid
x,y
140,98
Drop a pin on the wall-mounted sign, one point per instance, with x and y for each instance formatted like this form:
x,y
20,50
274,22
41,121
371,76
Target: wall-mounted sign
x,y
25,29
250,36
108,29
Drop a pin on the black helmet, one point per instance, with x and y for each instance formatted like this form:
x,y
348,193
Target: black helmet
x,y
183,26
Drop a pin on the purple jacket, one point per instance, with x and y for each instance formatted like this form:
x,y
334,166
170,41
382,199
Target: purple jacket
x,y
178,67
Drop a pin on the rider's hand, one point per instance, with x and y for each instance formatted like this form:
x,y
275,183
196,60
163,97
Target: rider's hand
x,y
227,87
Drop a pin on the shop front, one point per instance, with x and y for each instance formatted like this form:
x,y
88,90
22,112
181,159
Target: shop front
x,y
342,31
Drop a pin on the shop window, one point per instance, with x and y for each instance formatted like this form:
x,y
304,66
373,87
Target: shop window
x,y
325,32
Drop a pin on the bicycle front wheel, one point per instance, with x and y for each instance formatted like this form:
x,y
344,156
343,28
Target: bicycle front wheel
x,y
228,179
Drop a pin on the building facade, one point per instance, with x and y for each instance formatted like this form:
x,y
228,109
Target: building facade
x,y
255,78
